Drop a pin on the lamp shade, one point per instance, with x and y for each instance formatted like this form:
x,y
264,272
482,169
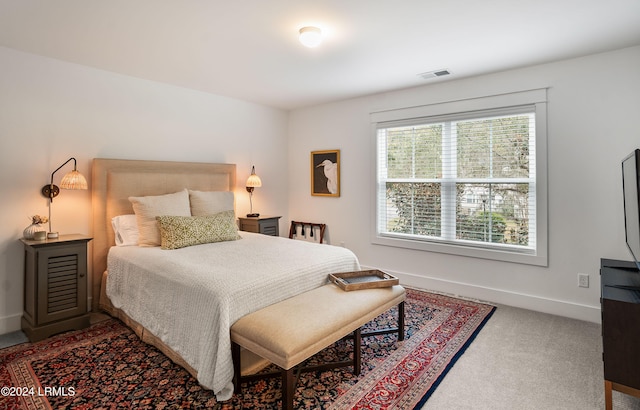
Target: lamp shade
x,y
73,180
253,181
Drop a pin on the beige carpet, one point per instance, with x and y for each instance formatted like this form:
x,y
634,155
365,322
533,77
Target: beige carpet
x,y
528,360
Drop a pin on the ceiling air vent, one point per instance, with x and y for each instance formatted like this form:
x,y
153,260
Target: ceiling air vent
x,y
434,74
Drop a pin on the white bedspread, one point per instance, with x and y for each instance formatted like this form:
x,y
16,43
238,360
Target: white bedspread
x,y
190,297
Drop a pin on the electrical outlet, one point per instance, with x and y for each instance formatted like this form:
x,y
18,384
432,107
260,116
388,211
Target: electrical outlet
x,y
583,280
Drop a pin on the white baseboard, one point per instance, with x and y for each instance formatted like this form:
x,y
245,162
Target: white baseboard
x,y
500,296
10,324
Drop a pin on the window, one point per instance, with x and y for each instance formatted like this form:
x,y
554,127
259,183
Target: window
x,y
467,182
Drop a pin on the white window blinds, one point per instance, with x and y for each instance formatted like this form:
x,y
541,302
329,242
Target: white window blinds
x,y
464,180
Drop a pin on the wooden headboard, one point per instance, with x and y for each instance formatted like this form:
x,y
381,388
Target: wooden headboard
x,y
115,180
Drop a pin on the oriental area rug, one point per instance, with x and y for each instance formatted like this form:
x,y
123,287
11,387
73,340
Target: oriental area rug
x,y
106,366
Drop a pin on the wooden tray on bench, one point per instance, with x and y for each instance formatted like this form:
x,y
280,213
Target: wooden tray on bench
x,y
364,279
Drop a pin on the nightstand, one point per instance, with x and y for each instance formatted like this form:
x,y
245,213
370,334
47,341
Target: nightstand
x,y
55,286
267,225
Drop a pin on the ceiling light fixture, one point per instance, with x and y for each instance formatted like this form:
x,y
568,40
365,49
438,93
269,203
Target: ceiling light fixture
x,y
310,36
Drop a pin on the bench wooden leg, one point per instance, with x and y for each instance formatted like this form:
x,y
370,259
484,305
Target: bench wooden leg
x,y
235,356
357,351
288,389
401,321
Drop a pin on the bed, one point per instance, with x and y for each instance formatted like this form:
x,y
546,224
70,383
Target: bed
x,y
184,300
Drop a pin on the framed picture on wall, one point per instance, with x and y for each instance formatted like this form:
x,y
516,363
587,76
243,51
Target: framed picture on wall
x,y
325,173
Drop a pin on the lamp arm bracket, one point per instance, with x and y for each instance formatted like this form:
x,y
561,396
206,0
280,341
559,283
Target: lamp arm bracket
x,y
65,163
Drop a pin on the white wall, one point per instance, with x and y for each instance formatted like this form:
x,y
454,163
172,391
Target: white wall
x,y
51,110
593,107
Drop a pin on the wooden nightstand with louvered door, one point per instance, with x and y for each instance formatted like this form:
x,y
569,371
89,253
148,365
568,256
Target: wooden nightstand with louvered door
x,y
55,286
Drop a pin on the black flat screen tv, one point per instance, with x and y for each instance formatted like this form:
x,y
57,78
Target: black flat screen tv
x,y
631,190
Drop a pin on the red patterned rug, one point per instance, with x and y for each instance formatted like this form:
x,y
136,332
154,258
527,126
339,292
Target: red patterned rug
x,y
107,366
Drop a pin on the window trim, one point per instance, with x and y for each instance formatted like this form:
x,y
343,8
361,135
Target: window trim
x,y
536,98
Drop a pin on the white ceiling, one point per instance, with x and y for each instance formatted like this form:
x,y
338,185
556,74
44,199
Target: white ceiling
x,y
248,49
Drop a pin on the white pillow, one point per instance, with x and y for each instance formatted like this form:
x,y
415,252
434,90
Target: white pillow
x,y
147,208
205,203
125,228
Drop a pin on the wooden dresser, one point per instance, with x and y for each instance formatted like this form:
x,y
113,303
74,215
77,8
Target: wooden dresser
x,y
620,302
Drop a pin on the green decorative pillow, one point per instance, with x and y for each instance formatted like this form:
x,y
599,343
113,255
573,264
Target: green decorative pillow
x,y
182,231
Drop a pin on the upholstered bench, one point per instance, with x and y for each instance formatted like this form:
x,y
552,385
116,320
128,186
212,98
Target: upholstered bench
x,y
289,332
